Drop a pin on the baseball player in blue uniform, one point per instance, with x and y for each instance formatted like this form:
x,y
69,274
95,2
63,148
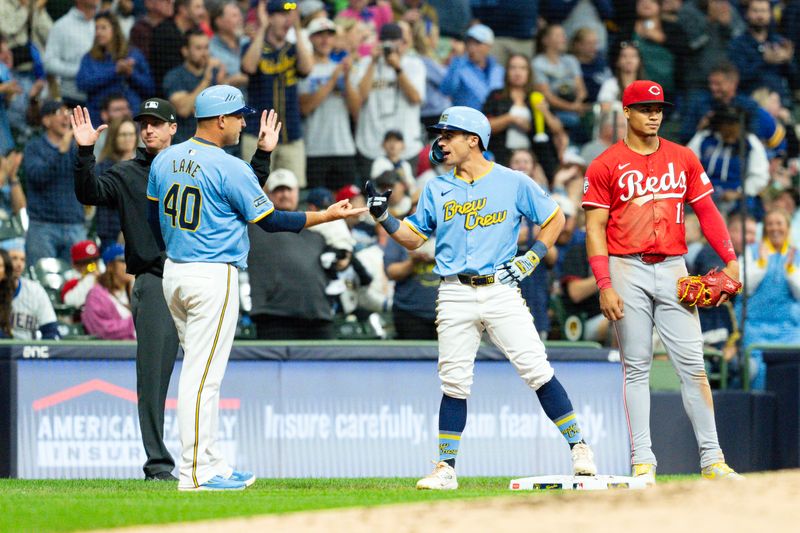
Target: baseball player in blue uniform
x,y
202,199
475,210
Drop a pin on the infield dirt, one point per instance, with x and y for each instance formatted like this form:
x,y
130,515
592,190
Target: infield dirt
x,y
762,503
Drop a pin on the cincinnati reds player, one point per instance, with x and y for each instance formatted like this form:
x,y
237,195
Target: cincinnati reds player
x,y
635,195
203,198
475,211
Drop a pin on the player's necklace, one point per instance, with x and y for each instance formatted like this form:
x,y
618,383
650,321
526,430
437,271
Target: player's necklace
x,y
658,145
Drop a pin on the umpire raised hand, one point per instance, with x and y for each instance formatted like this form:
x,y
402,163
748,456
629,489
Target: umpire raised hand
x,y
124,187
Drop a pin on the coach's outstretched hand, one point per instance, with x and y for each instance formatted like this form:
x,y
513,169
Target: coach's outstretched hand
x,y
378,204
82,130
343,209
270,131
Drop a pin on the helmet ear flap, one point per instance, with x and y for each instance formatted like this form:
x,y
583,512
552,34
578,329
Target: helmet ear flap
x,y
436,156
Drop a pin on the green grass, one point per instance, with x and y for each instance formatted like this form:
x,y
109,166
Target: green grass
x,y
69,505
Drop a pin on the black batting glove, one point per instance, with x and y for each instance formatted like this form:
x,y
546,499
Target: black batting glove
x,y
378,203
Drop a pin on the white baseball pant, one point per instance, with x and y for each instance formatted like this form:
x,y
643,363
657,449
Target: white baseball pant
x,y
464,312
203,299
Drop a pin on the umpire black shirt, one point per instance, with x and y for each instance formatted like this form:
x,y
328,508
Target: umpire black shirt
x,y
124,187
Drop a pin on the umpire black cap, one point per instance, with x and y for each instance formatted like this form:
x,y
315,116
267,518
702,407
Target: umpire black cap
x,y
158,108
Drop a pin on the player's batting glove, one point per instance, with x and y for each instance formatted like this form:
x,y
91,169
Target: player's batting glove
x,y
378,203
519,268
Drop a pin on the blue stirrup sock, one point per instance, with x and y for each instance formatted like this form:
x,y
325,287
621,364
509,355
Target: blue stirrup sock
x,y
558,408
452,420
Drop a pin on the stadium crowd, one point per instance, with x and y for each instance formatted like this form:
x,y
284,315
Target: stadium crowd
x,y
353,82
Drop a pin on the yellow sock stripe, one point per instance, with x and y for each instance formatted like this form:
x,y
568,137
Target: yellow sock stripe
x,y
565,419
203,381
449,436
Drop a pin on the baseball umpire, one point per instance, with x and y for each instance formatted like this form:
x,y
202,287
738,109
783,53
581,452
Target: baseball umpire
x,y
635,194
124,187
475,210
202,199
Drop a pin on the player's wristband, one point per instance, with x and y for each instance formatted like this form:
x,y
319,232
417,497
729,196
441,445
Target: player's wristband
x,y
540,249
599,264
390,224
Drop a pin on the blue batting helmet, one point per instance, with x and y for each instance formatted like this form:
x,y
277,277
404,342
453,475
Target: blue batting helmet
x,y
221,100
466,119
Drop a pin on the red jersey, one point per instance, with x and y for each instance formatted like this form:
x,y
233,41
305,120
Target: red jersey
x,y
645,196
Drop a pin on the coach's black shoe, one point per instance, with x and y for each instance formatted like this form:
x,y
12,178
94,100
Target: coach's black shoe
x,y
161,476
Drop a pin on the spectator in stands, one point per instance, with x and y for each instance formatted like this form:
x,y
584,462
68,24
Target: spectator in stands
x,y
783,141
25,25
393,148
400,203
415,290
112,67
471,77
287,281
786,200
275,66
362,229
513,23
594,66
718,150
183,83
709,26
425,45
376,15
107,313
525,162
7,288
114,106
764,57
229,41
328,102
519,115
455,17
157,11
355,37
56,217
10,88
12,197
123,9
628,68
32,314
613,126
70,39
121,147
579,296
558,76
391,87
169,36
723,85
657,39
773,283
85,256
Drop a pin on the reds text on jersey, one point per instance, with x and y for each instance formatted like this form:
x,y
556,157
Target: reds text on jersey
x,y
646,196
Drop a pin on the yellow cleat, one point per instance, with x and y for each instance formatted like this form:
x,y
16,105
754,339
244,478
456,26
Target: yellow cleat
x,y
719,471
646,471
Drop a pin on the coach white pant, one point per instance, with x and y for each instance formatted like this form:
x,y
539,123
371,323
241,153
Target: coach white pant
x,y
203,299
464,312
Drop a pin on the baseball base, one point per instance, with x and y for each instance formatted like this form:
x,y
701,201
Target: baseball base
x,y
576,483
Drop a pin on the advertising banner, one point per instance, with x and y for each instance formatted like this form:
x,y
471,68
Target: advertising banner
x,y
78,419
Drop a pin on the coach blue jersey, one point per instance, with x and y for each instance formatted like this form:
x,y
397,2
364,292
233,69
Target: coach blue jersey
x,y
198,185
477,224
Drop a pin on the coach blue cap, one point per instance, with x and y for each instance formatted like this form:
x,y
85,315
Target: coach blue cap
x,y
221,100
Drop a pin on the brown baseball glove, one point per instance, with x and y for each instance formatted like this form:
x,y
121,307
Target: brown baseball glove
x,y
706,291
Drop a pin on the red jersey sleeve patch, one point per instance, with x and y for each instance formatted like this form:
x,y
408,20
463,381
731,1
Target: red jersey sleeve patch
x,y
596,186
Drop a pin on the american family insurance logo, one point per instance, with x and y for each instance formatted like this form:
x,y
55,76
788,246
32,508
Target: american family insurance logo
x,y
95,424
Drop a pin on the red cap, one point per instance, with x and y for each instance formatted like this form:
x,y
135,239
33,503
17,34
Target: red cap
x,y
348,192
84,251
643,92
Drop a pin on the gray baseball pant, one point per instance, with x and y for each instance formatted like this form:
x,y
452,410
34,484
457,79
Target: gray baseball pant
x,y
156,350
649,296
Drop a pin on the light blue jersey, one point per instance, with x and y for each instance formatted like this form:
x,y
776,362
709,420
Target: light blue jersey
x,y
199,186
477,224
